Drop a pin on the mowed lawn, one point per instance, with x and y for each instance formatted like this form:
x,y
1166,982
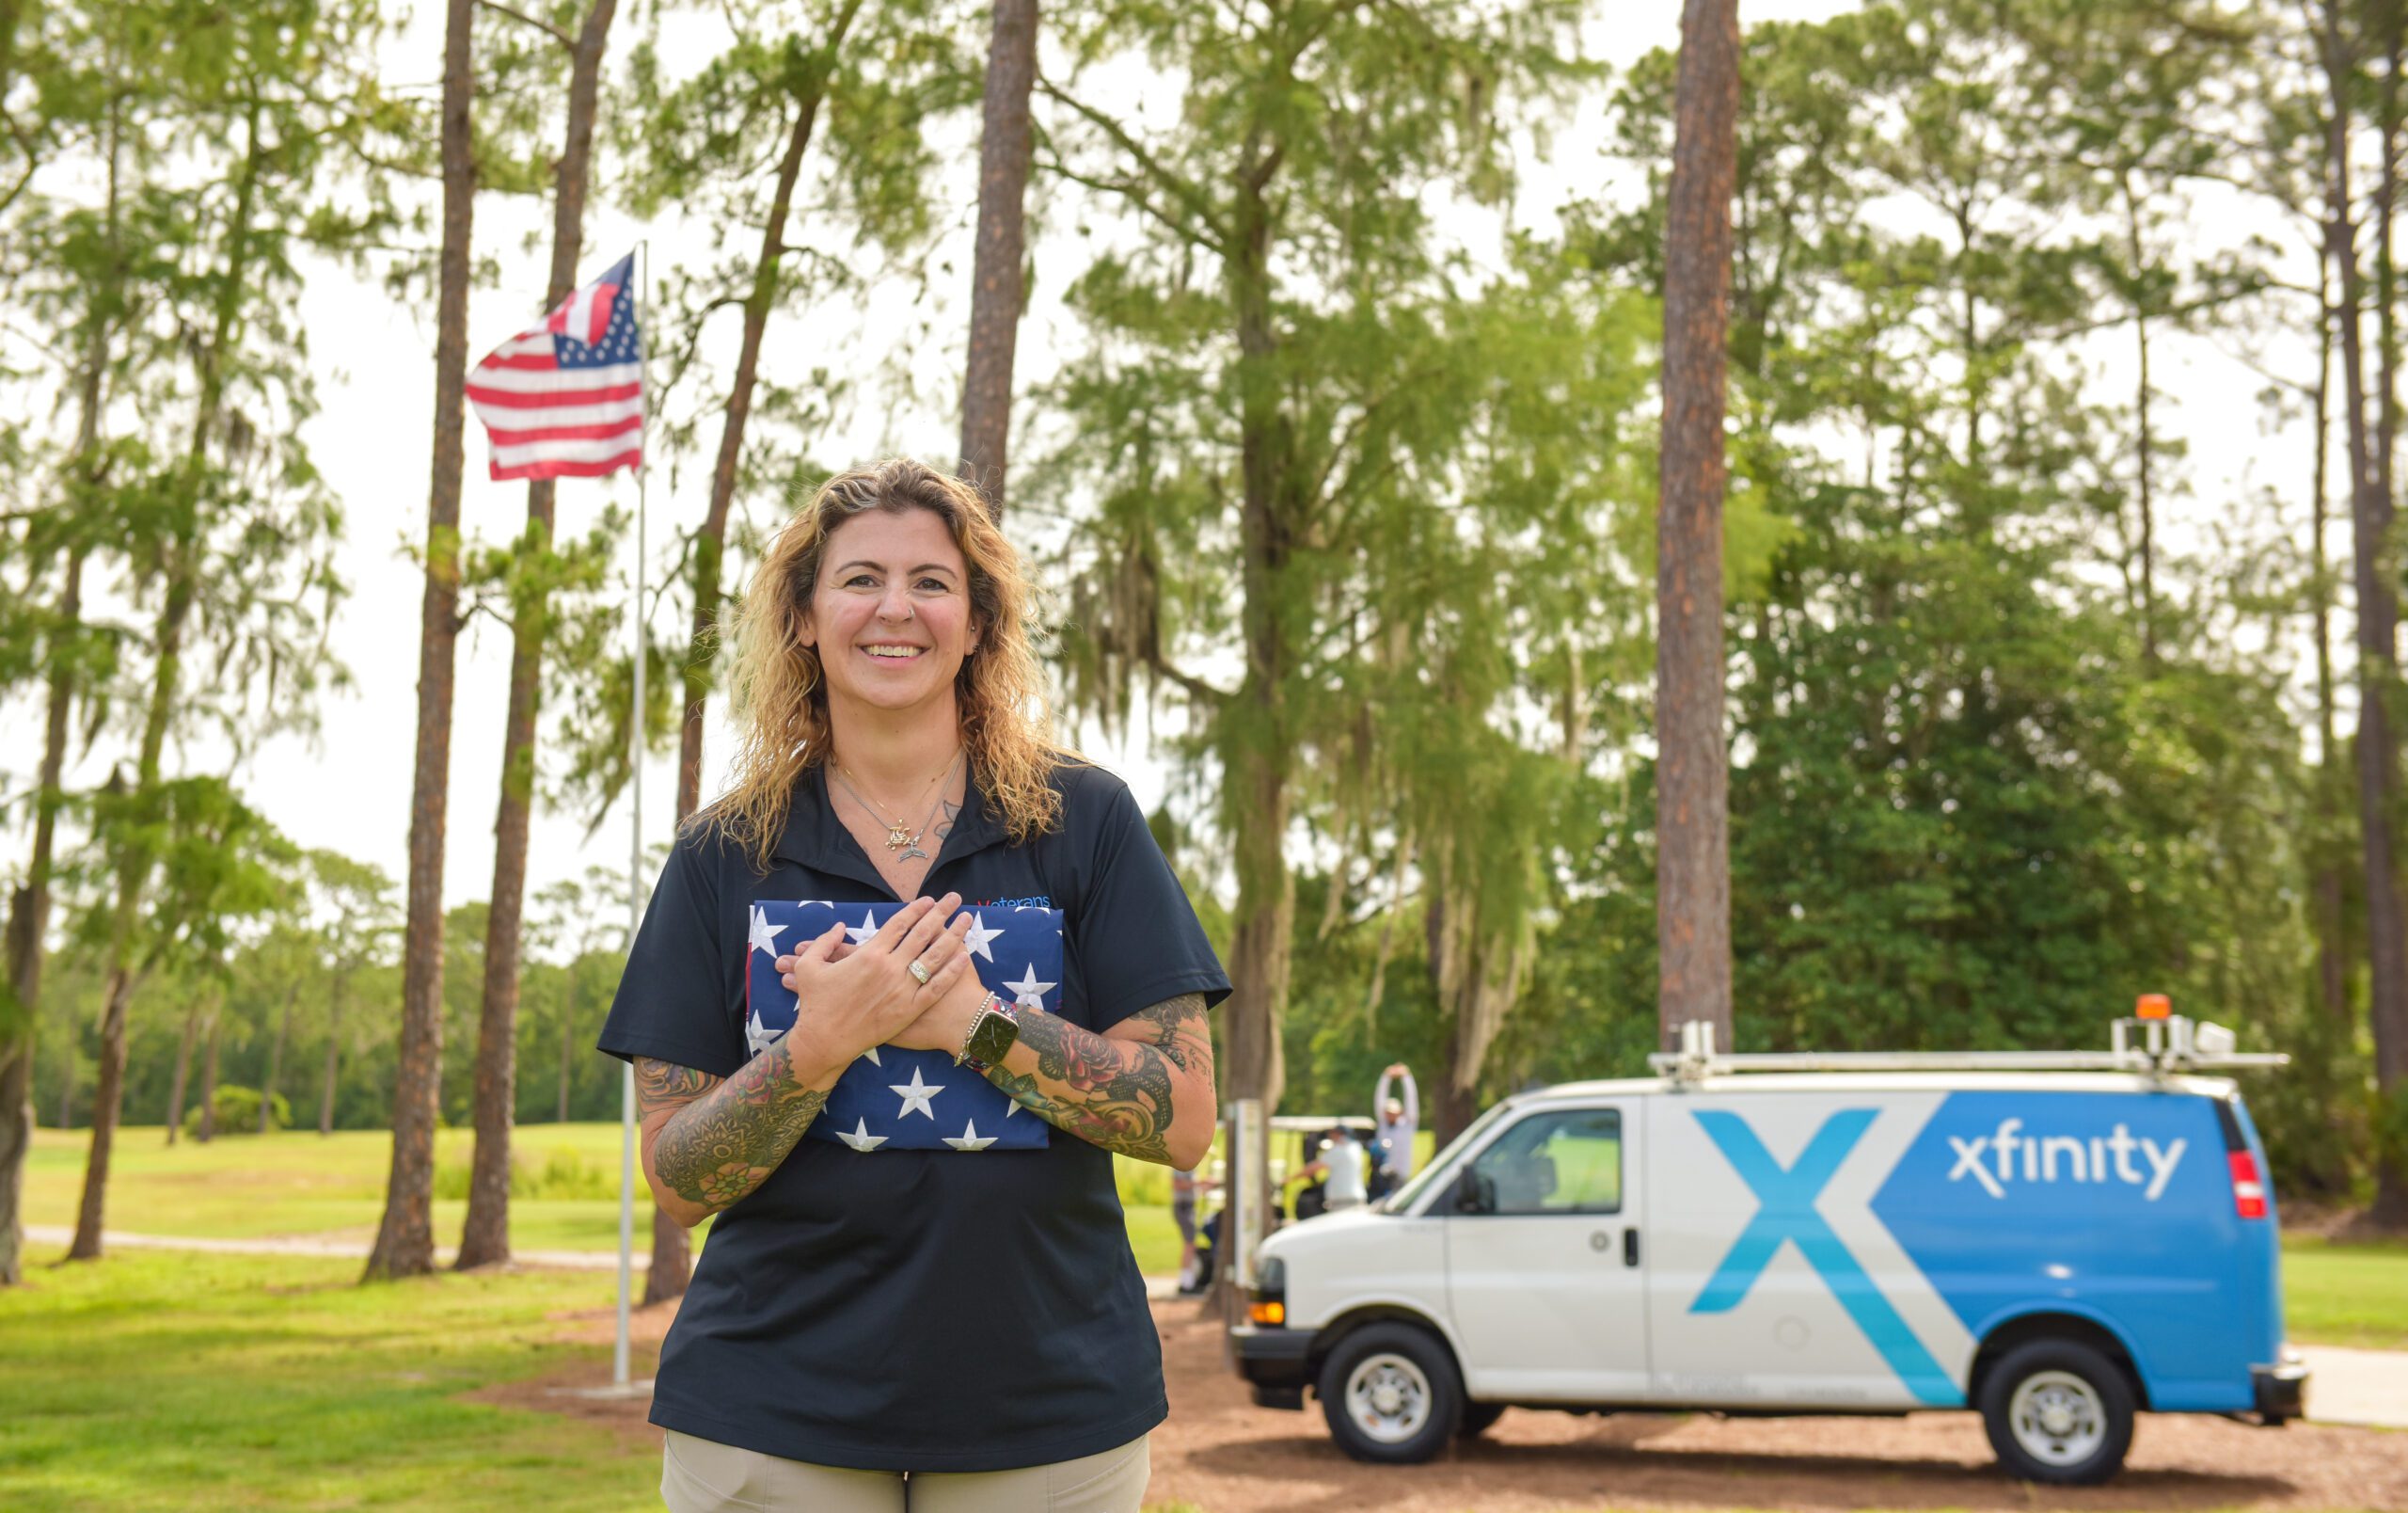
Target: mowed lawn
x,y
2346,1294
178,1381
332,1187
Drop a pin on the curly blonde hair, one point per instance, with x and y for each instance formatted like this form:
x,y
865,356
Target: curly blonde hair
x,y
781,704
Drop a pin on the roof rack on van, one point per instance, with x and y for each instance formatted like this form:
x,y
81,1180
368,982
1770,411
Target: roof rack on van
x,y
2164,1046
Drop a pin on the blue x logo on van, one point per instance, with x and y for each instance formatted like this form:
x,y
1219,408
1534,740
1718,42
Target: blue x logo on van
x,y
1785,1212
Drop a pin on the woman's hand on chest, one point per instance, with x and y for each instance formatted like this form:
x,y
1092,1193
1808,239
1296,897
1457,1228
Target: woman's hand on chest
x,y
851,997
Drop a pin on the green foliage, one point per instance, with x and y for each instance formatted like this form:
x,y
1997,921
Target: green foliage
x,y
237,1111
565,1174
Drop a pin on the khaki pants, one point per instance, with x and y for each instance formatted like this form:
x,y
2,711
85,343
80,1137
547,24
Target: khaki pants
x,y
704,1476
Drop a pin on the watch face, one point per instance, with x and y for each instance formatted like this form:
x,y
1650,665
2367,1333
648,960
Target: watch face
x,y
993,1036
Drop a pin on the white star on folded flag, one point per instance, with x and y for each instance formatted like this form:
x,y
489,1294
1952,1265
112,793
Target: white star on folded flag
x,y
764,936
917,1094
968,1139
863,931
979,937
1028,992
861,1139
871,1055
758,1037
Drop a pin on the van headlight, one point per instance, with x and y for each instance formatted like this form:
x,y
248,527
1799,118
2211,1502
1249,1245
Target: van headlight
x,y
1268,1307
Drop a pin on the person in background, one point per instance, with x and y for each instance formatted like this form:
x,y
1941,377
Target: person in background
x,y
1399,1120
1184,1187
1342,1169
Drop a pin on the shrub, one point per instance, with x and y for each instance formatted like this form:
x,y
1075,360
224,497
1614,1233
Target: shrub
x,y
238,1111
563,1174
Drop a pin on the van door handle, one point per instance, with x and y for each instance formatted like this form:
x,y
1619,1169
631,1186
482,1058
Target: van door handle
x,y
1630,1246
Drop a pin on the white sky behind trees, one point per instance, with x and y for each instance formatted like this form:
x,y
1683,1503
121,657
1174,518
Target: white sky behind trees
x,y
349,788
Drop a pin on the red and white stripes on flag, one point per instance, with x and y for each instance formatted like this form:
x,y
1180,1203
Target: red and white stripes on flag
x,y
565,399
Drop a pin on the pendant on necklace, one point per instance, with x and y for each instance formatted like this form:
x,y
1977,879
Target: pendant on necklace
x,y
915,854
897,837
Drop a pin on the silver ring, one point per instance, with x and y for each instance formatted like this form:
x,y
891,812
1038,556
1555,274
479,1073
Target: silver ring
x,y
919,973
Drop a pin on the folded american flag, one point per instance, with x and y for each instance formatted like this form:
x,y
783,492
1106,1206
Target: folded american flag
x,y
565,399
892,1099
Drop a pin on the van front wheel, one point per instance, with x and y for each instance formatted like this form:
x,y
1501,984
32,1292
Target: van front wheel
x,y
1391,1395
2058,1411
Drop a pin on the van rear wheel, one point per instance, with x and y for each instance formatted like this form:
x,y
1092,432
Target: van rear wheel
x,y
1391,1395
2058,1411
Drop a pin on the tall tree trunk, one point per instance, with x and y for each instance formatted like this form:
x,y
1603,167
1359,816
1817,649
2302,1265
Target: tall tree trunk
x,y
132,879
568,1038
1692,774
107,1093
2332,970
16,1140
2148,448
406,1236
182,1078
1258,745
672,1248
208,1130
276,1056
484,1238
29,905
2378,615
995,289
1475,989
133,866
334,1055
710,543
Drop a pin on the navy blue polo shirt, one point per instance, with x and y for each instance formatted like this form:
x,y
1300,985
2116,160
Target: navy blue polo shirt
x,y
917,1310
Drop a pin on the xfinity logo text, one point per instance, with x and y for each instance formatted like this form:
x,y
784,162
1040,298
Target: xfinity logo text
x,y
2012,1156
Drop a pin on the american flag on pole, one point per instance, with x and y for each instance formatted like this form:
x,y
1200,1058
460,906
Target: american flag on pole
x,y
565,399
892,1099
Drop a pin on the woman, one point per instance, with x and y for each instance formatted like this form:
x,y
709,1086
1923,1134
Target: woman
x,y
969,1324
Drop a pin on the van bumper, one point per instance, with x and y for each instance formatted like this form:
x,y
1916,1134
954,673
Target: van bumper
x,y
2280,1391
1275,1362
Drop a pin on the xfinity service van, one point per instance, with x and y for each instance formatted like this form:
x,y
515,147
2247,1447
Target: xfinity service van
x,y
2055,1247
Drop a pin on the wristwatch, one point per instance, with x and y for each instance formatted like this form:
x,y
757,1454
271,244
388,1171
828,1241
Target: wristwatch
x,y
991,1034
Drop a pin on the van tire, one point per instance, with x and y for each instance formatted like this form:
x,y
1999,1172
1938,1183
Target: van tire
x,y
1479,1418
1403,1380
2058,1411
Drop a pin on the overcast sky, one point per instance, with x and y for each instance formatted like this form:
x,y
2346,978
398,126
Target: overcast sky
x,y
350,790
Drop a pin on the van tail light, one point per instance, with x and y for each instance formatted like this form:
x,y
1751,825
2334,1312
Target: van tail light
x,y
2248,1189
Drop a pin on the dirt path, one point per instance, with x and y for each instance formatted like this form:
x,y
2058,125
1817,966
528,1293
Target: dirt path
x,y
1223,1455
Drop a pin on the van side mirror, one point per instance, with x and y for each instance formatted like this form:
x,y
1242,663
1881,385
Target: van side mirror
x,y
1475,1194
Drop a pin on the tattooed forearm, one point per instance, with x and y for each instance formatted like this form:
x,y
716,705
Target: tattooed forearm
x,y
728,1138
1112,1091
1180,1032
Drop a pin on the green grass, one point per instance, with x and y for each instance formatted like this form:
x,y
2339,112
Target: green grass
x,y
182,1381
333,1187
246,1187
2346,1294
257,1384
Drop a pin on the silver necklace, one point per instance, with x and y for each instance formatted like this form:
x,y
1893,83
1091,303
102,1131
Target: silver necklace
x,y
900,837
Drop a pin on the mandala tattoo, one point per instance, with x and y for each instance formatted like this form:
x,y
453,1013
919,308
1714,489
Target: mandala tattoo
x,y
1109,1091
728,1135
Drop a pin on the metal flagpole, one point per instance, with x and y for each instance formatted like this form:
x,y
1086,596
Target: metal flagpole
x,y
635,837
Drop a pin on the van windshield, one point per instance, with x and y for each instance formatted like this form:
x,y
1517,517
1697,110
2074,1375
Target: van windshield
x,y
1406,1196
